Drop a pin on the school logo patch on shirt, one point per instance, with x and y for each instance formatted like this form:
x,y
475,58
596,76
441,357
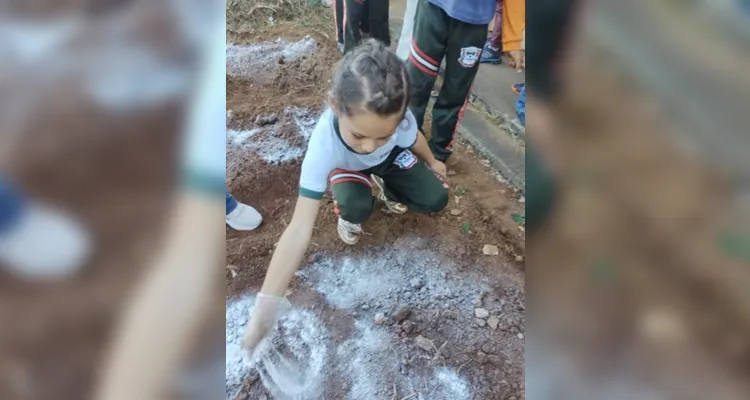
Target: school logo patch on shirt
x,y
469,56
406,160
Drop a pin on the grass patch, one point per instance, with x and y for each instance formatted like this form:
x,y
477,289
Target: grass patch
x,y
246,16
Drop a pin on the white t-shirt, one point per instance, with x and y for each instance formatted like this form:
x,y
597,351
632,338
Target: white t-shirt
x,y
326,152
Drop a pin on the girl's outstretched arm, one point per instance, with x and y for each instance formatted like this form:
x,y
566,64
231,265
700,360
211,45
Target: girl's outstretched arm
x,y
284,263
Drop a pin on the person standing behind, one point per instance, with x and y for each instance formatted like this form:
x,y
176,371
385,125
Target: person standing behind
x,y
370,16
492,53
454,30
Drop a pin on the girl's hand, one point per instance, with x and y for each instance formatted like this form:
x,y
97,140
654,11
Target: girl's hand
x,y
441,171
266,313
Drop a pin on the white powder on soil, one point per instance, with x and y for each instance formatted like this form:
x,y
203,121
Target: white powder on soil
x,y
392,274
295,374
366,361
266,143
246,60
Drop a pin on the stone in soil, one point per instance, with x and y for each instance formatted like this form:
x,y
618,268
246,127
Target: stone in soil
x,y
455,212
402,314
424,343
493,359
493,322
416,283
482,358
481,313
408,326
490,250
480,322
266,119
379,319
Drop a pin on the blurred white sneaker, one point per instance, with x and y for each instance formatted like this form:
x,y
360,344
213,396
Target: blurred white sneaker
x,y
46,244
244,218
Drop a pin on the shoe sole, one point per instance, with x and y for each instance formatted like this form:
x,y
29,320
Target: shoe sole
x,y
243,228
382,197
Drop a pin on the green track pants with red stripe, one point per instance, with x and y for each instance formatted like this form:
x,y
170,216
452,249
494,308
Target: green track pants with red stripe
x,y
436,36
407,180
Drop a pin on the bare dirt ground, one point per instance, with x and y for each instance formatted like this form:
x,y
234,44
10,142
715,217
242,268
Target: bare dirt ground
x,y
416,308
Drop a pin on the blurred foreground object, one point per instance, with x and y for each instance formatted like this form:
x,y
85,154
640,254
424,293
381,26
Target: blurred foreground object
x,y
92,100
632,293
170,307
37,242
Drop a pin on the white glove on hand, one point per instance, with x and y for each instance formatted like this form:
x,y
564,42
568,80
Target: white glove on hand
x,y
266,313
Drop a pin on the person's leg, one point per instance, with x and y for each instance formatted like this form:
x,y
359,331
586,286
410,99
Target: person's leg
x,y
364,24
461,65
378,21
352,196
231,203
404,41
241,216
39,242
496,39
408,180
353,10
12,204
492,52
338,15
521,105
428,46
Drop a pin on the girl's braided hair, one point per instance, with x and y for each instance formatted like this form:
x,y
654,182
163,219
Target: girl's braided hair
x,y
371,78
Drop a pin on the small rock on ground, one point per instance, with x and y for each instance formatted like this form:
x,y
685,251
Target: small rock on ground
x,y
481,313
493,322
480,322
402,314
379,319
266,119
424,343
490,250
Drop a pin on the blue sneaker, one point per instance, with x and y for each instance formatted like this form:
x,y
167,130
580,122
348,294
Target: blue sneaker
x,y
491,55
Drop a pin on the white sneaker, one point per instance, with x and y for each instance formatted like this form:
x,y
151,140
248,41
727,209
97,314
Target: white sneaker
x,y
393,206
46,244
244,218
349,232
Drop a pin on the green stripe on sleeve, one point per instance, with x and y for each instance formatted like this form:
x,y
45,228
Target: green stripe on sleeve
x,y
204,183
310,194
